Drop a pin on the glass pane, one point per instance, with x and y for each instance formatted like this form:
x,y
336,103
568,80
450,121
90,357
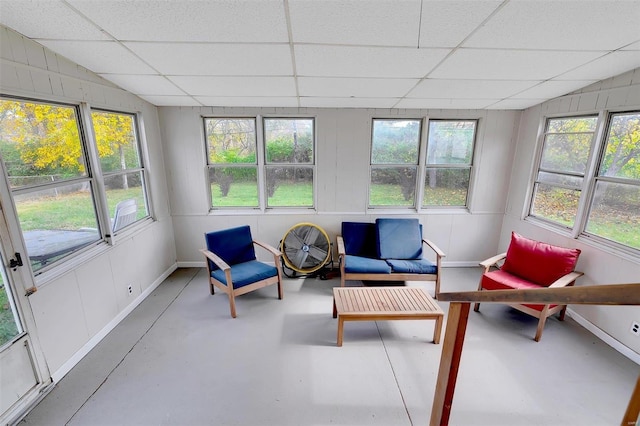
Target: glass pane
x,y
289,140
231,140
622,153
446,187
566,152
572,125
395,141
123,187
615,213
40,143
555,204
392,186
9,322
289,186
234,186
450,142
56,222
116,140
559,179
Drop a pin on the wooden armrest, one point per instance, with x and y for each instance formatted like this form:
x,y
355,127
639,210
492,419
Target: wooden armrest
x,y
268,247
566,280
486,264
434,247
340,244
215,259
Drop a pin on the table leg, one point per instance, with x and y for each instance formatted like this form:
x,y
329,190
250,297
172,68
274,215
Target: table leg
x,y
340,330
335,310
437,329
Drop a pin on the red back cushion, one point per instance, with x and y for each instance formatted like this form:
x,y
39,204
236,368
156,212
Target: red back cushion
x,y
539,262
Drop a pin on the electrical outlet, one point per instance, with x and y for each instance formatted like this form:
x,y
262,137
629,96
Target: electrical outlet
x,y
635,328
130,288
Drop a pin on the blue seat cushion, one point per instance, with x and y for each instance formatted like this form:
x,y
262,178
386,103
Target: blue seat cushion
x,y
233,245
365,265
246,273
419,266
359,239
399,238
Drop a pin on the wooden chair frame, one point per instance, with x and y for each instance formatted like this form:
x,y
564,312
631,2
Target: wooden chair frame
x,y
542,315
229,290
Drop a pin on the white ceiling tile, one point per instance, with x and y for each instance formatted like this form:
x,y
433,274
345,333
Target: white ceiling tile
x,y
100,56
568,25
488,64
632,46
216,59
614,63
144,84
321,102
47,19
341,61
193,20
552,89
445,103
447,23
515,103
236,86
466,89
376,23
246,101
354,87
171,100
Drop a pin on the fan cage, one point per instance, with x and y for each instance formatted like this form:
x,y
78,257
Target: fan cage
x,y
306,248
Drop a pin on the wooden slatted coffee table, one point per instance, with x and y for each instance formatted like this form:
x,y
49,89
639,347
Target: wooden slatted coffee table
x,y
385,303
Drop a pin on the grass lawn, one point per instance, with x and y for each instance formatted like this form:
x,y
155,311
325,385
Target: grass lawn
x,y
245,194
8,327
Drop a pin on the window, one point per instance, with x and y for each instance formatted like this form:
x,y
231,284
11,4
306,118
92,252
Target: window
x,y
448,165
123,173
395,149
286,161
289,161
46,162
601,201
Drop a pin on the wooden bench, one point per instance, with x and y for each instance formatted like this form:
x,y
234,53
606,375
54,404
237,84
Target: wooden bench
x,y
385,303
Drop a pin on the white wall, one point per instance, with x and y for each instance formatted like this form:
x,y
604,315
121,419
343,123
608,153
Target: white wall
x,y
343,145
74,310
601,266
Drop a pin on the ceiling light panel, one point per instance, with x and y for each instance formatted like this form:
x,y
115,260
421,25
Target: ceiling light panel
x,y
213,21
375,23
144,84
465,89
354,87
34,19
447,23
100,56
216,59
236,86
340,61
568,25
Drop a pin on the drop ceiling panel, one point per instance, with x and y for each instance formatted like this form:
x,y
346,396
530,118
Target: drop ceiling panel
x,y
35,18
445,103
489,64
144,84
236,86
569,25
376,23
552,89
213,21
319,102
171,100
216,59
340,61
515,103
248,101
100,56
612,64
350,87
447,23
465,89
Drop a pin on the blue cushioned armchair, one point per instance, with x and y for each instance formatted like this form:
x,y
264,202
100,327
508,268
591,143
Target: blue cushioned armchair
x,y
388,250
232,264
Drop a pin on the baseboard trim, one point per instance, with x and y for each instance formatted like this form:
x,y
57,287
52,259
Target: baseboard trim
x,y
82,352
615,344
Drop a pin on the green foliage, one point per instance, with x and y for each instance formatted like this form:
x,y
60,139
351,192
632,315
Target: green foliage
x,y
8,328
395,141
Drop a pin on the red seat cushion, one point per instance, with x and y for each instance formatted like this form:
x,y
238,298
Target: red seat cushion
x,y
538,262
501,280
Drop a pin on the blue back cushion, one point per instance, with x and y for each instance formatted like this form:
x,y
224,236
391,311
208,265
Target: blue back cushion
x,y
399,238
233,245
359,239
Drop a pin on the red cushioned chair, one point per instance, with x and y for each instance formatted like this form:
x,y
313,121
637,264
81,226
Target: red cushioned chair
x,y
531,264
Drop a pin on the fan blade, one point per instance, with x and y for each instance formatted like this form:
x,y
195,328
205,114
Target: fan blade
x,y
299,258
293,241
311,236
317,253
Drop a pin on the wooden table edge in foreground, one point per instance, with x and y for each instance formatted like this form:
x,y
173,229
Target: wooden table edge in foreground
x,y
385,303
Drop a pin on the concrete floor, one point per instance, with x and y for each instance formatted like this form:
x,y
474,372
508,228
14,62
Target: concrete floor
x,y
180,359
